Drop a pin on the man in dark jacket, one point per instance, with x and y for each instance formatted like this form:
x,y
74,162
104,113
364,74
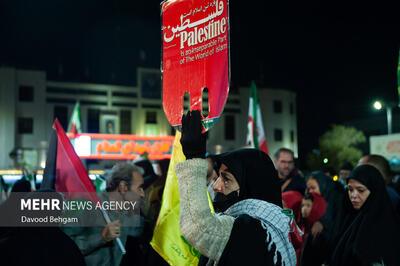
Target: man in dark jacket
x,y
287,173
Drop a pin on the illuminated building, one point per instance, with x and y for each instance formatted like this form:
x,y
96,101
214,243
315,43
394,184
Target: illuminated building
x,y
29,104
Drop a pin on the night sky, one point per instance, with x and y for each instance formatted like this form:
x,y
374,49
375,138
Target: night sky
x,y
337,57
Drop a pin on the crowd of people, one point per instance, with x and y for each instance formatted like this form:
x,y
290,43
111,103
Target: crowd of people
x,y
354,221
266,213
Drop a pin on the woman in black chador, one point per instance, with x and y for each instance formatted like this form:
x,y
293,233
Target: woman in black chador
x,y
252,228
370,230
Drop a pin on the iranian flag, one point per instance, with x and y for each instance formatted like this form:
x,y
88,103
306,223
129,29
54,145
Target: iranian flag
x,y
75,122
255,135
100,184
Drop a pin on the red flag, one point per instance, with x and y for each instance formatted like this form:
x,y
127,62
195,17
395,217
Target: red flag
x,y
70,174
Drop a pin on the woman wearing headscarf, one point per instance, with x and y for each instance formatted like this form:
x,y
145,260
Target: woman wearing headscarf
x,y
323,236
332,192
370,231
253,230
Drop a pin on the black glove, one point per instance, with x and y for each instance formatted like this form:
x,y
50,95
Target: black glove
x,y
192,140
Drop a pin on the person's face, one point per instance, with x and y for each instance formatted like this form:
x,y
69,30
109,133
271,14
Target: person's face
x,y
137,184
226,181
135,191
344,174
284,164
306,206
313,186
358,193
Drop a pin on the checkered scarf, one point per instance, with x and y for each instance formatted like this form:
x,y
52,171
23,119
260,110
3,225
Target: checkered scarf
x,y
275,223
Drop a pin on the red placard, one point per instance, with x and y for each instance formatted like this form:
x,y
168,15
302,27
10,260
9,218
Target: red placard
x,y
195,50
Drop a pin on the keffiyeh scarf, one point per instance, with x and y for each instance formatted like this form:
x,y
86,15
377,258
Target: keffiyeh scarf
x,y
276,224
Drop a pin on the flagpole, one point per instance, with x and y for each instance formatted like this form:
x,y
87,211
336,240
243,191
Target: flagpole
x,y
118,240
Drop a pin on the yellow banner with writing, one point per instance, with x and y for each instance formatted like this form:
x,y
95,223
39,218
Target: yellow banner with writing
x,y
167,237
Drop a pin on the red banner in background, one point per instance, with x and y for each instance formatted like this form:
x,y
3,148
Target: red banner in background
x,y
195,50
121,147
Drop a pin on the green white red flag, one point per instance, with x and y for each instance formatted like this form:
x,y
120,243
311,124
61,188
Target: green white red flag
x,y
255,134
75,125
100,184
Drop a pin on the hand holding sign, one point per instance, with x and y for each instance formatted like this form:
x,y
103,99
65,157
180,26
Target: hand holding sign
x,y
195,56
192,140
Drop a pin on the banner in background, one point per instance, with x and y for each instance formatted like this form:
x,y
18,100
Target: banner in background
x,y
167,237
121,147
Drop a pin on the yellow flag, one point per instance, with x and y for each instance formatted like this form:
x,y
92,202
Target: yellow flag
x,y
167,237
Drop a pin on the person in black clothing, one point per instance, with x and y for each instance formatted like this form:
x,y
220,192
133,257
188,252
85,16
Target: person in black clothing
x,y
288,175
41,244
253,229
370,230
380,163
344,172
321,242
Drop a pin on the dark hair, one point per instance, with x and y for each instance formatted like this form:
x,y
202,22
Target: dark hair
x,y
312,176
329,169
380,163
122,172
308,196
164,165
215,164
21,185
278,152
347,166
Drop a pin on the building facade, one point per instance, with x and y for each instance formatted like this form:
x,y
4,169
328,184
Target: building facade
x,y
29,103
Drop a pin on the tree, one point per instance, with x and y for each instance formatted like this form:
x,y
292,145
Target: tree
x,y
338,145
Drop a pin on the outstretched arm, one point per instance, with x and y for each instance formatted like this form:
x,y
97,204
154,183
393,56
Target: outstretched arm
x,y
208,233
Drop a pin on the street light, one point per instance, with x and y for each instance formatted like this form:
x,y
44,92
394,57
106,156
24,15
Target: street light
x,y
378,106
